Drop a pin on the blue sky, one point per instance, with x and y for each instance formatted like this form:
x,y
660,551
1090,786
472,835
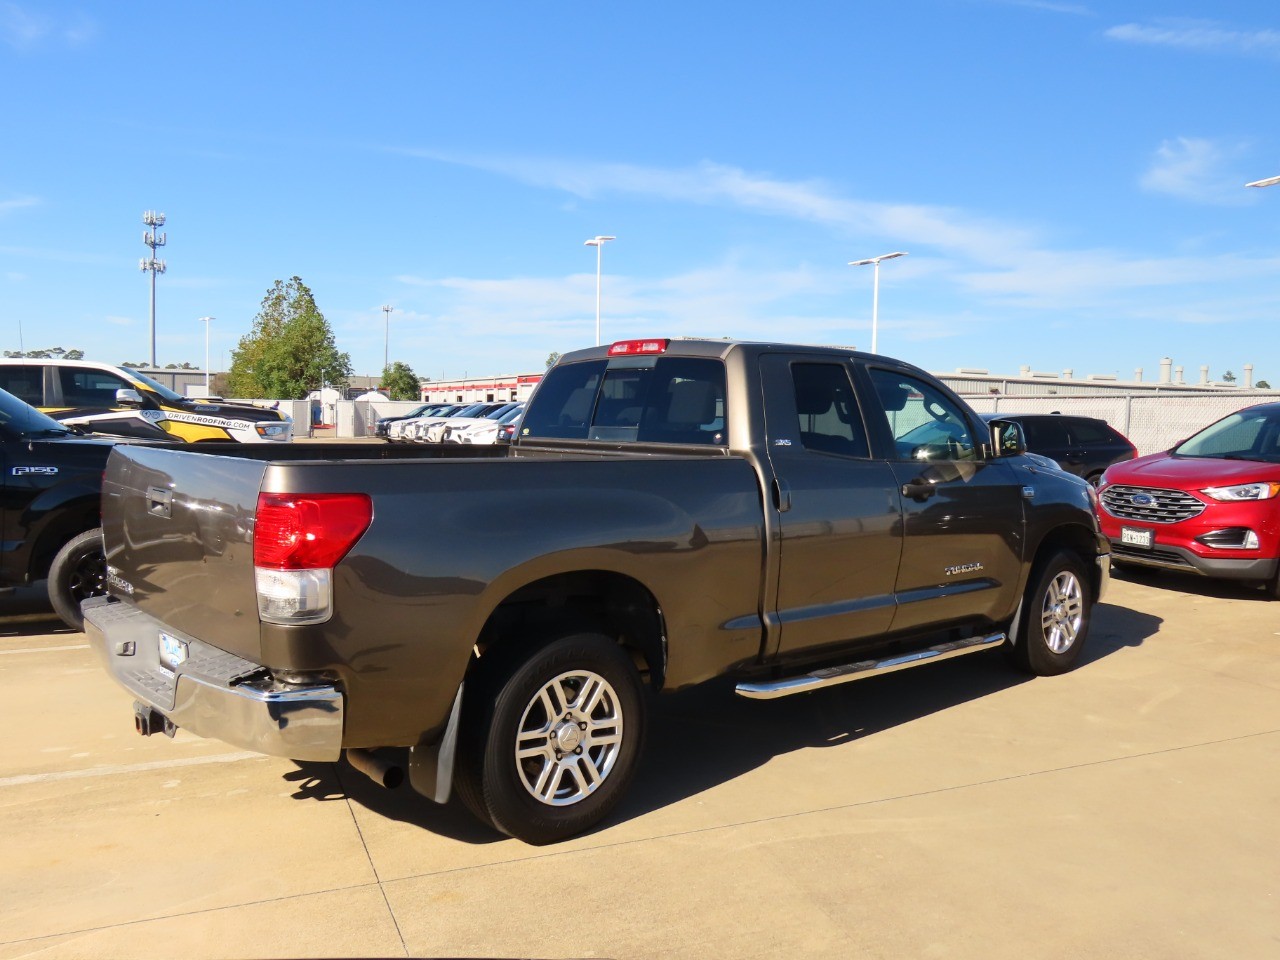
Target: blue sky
x,y
1067,178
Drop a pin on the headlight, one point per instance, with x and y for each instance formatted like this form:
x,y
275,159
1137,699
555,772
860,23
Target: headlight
x,y
272,430
1243,491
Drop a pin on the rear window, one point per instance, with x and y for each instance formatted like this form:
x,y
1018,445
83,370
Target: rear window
x,y
643,400
1093,431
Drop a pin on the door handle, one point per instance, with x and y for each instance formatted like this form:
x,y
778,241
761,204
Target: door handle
x,y
919,490
781,495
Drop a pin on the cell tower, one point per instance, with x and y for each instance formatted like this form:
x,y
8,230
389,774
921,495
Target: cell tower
x,y
152,265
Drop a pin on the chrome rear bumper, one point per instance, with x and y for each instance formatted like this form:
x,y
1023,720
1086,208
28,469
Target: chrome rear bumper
x,y
213,693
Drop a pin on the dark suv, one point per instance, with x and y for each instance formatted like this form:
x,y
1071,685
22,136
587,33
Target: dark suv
x,y
1084,446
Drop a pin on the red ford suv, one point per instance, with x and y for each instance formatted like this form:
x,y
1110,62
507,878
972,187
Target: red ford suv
x,y
1211,505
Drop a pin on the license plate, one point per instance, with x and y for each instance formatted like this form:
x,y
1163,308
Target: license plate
x,y
1137,537
173,651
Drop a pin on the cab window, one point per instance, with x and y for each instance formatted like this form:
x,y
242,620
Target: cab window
x,y
90,388
925,423
828,413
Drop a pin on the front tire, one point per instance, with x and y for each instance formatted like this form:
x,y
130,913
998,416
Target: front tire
x,y
78,572
555,740
1056,611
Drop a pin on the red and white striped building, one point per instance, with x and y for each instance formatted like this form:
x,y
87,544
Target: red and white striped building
x,y
480,389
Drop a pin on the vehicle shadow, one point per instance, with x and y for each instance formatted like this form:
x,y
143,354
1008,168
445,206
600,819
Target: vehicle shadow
x,y
1191,583
706,736
325,782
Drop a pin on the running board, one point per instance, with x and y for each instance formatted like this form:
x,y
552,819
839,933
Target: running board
x,y
830,676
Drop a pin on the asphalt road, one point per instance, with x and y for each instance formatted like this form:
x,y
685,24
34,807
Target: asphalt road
x,y
1128,810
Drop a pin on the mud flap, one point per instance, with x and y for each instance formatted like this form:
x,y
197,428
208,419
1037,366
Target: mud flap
x,y
431,765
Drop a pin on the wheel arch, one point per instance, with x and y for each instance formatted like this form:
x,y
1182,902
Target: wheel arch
x,y
64,521
604,601
1076,538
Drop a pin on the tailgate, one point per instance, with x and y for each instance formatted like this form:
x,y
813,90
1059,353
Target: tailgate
x,y
178,532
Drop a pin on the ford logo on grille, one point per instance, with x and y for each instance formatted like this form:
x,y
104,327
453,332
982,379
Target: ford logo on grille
x,y
1142,500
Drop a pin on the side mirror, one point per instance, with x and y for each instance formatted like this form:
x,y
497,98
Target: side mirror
x,y
126,397
1006,438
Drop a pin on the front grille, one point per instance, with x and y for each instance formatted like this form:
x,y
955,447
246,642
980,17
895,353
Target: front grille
x,y
1154,505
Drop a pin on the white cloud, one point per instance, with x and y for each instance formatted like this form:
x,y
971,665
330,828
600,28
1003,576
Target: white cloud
x,y
1000,272
723,185
1201,35
17,203
1193,169
1051,6
23,29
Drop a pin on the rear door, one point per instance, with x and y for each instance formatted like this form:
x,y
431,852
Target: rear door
x,y
839,512
963,526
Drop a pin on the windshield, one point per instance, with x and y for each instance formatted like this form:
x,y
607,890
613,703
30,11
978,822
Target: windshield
x,y
25,420
1252,434
157,387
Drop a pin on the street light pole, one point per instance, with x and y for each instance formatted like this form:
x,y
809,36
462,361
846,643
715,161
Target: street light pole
x,y
598,243
386,340
875,291
206,321
1268,182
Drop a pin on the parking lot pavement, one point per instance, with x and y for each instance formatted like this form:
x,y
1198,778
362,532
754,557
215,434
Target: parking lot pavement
x,y
1125,810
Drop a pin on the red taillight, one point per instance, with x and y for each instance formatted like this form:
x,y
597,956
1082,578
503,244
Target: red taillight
x,y
308,531
632,348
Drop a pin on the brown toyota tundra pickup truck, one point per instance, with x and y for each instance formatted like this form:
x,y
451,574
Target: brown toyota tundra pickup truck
x,y
671,511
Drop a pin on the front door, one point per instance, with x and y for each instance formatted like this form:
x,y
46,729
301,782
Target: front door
x,y
962,511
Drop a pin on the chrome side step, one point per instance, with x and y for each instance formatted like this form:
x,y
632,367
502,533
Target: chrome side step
x,y
830,676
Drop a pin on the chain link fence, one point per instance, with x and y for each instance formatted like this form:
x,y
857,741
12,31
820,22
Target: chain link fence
x,y
1152,423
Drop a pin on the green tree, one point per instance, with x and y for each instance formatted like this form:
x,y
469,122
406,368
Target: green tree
x,y
1228,377
1263,385
50,353
553,358
401,382
290,351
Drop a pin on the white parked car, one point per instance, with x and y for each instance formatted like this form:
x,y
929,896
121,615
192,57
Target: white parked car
x,y
490,430
435,432
418,430
405,431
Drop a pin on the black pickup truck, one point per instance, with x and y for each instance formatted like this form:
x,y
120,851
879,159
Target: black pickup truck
x,y
671,511
51,484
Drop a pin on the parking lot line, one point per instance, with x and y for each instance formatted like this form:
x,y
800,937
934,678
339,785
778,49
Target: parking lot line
x,y
123,768
73,646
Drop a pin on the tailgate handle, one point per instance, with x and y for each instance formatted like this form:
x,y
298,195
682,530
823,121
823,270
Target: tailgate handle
x,y
159,502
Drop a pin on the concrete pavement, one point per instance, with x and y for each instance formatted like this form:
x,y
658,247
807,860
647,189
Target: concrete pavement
x,y
1128,810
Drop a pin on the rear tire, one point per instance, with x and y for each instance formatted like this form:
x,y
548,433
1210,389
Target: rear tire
x,y
78,572
551,743
1056,611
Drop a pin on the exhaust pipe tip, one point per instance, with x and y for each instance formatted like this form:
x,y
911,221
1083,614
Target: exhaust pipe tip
x,y
381,772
